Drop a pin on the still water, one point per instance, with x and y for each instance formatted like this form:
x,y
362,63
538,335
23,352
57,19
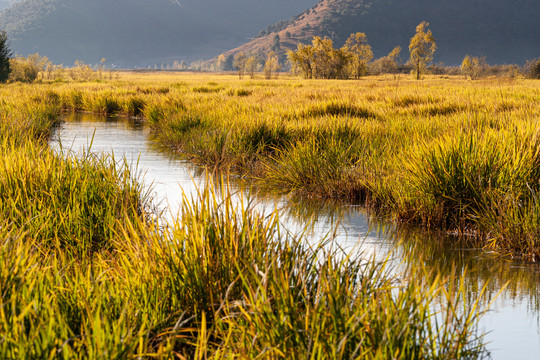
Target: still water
x,y
513,322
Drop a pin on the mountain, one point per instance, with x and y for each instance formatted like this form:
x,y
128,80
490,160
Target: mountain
x,y
504,31
137,32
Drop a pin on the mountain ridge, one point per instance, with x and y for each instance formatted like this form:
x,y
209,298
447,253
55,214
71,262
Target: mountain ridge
x,y
137,32
502,31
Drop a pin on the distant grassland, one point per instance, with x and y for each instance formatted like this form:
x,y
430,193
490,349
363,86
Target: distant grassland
x,y
444,152
88,272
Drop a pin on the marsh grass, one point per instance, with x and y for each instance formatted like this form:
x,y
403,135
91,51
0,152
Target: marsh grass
x,y
73,203
435,153
321,166
221,281
88,273
335,108
401,146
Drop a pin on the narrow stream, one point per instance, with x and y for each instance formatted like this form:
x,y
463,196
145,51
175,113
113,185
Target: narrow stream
x,y
513,323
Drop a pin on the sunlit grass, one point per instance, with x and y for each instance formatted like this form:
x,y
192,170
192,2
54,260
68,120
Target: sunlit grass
x,y
388,141
87,272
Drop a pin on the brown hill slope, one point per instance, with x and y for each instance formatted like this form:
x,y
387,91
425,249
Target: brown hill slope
x,y
503,31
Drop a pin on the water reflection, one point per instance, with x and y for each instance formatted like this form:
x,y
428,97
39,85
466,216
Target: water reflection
x,y
514,319
130,139
513,322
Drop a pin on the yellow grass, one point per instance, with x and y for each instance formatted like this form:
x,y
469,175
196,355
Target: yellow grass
x,y
443,152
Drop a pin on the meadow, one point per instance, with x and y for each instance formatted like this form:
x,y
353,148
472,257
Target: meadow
x,y
443,153
88,271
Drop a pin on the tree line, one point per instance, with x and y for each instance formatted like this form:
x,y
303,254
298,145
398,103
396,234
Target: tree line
x,y
36,67
245,64
321,60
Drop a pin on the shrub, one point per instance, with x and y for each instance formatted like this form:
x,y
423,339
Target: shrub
x,y
532,69
473,67
22,70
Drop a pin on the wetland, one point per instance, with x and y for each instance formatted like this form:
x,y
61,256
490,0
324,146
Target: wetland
x,y
376,218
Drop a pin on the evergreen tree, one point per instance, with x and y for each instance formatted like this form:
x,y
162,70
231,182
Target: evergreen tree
x,y
276,44
228,65
5,55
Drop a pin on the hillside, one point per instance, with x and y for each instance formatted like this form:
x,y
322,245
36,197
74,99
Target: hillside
x,y
138,32
503,31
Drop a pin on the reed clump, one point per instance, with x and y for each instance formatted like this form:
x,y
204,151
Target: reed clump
x,y
220,281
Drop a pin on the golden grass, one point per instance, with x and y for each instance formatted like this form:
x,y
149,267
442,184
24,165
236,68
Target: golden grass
x,y
87,273
389,141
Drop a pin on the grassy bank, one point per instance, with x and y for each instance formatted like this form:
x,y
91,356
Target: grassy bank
x,y
444,152
88,273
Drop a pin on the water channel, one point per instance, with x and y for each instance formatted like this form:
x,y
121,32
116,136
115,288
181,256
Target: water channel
x,y
513,322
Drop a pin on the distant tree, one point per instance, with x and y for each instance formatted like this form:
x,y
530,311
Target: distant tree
x,y
421,48
28,69
239,63
474,67
83,72
302,60
276,44
532,69
252,64
5,55
319,60
329,63
228,65
22,70
101,66
360,54
220,63
44,64
387,64
271,65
